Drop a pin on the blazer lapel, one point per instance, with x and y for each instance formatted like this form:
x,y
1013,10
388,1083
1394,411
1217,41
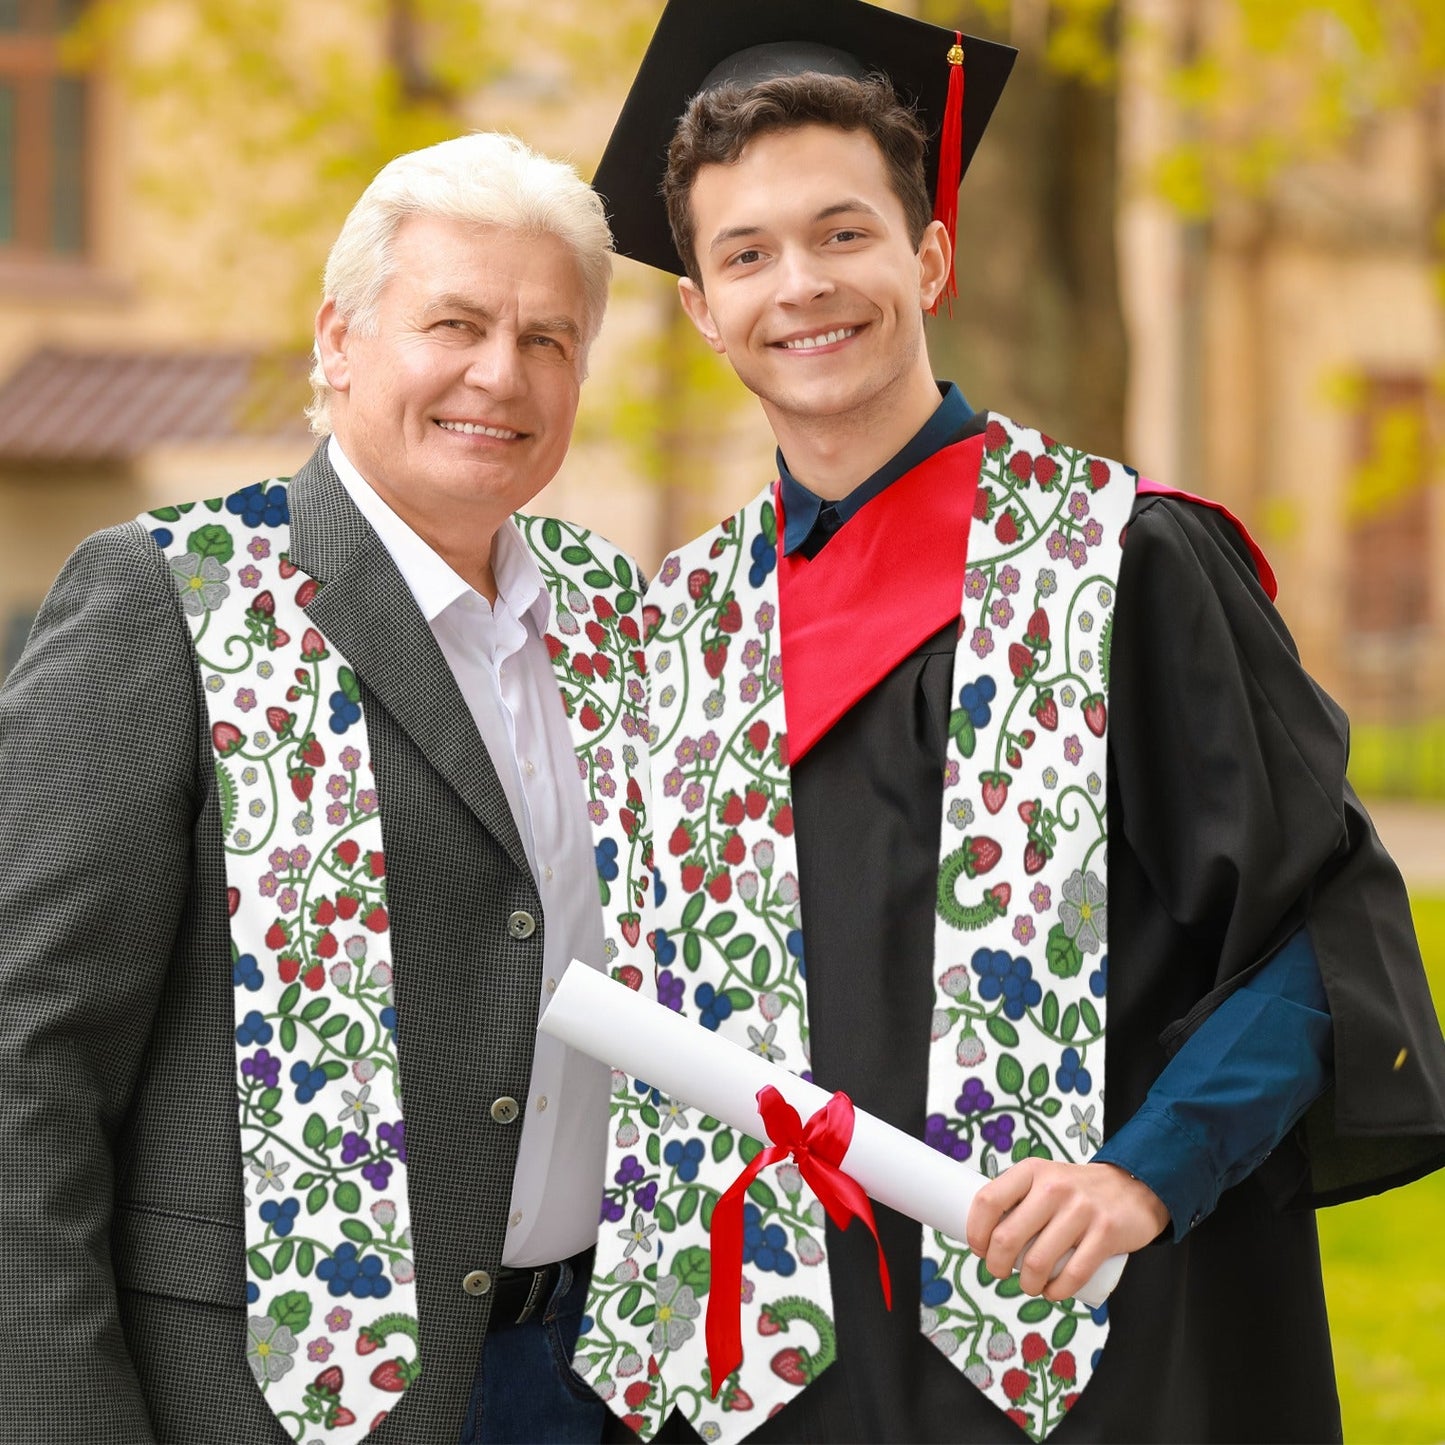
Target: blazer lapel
x,y
365,609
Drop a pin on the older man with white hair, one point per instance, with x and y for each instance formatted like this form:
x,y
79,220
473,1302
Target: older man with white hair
x,y
310,794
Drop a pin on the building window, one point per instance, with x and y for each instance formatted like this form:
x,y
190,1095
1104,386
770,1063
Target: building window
x,y
43,124
1389,510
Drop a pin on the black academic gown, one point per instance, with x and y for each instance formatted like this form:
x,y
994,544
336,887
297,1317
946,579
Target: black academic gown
x,y
1230,824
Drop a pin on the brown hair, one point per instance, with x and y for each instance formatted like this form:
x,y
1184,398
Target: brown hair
x,y
719,123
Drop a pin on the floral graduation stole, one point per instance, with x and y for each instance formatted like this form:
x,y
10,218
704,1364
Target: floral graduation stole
x,y
1016,1062
332,1336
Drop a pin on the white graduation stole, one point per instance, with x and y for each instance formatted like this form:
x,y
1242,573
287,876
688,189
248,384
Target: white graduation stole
x,y
1016,1062
332,1332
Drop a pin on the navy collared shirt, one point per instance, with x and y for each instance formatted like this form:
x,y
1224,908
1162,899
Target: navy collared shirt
x,y
1248,1073
810,521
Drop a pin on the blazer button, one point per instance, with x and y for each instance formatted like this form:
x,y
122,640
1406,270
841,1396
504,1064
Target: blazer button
x,y
505,1110
521,924
478,1282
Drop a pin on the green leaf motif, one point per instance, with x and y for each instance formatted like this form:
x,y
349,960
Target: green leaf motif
x,y
762,1195
288,1034
315,1009
281,1260
692,952
1003,1031
709,1203
1064,1331
720,923
739,998
1064,955
687,1205
631,1298
576,554
313,1131
1020,1150
762,967
1035,1310
166,514
597,577
292,1309
355,1039
626,601
316,1199
654,1148
1010,1074
347,681
1051,1107
305,1258
334,1069
211,541
348,1199
289,997
623,571
693,1266
1009,1288
770,524
645,1316
333,1026
748,1148
354,1229
738,948
1038,1081
1051,1012
1090,1016
260,1265
666,1219
650,1117
551,534
1070,1025
226,789
693,910
722,1145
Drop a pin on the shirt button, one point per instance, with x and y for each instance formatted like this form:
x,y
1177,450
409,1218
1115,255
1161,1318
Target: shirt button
x,y
547,874
529,767
505,1110
516,1218
542,1104
551,985
478,1282
521,924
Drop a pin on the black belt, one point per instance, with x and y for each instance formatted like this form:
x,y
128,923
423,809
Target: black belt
x,y
520,1294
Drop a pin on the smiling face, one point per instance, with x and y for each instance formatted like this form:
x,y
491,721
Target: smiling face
x,y
810,284
457,405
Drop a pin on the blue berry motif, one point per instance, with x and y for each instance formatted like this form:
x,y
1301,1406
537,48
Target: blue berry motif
x,y
606,858
765,558
936,1288
163,535
253,1029
684,1158
666,948
309,1081
1099,979
258,507
281,1214
246,972
714,1006
659,888
344,712
794,944
1011,979
974,698
1071,1074
766,1249
345,1274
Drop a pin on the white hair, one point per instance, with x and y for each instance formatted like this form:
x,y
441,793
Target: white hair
x,y
484,178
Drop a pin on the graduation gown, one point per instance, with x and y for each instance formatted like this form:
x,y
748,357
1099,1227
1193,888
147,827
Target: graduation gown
x,y
1231,823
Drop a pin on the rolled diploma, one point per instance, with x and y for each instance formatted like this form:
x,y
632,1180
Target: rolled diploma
x,y
606,1020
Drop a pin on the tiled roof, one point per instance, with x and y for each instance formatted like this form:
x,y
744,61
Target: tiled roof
x,y
61,405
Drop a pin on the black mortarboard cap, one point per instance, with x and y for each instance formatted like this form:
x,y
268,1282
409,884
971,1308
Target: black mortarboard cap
x,y
699,44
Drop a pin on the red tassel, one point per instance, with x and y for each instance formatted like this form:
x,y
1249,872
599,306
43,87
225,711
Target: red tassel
x,y
950,167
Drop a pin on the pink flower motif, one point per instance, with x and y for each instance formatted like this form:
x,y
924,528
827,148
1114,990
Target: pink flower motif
x,y
287,901
1073,748
1008,581
775,672
707,745
687,751
950,773
1040,897
336,814
300,856
603,758
1078,552
1002,612
672,783
765,616
747,1290
245,699
366,800
337,785
339,1319
750,687
1057,544
259,547
982,642
752,652
351,759
1079,506
975,583
268,885
319,1349
280,859
606,786
1093,533
693,797
1024,928
597,812
249,576
671,571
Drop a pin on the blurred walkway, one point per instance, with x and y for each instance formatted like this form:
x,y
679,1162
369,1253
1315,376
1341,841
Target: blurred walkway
x,y
1415,835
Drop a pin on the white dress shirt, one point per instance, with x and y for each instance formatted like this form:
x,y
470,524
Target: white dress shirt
x,y
497,656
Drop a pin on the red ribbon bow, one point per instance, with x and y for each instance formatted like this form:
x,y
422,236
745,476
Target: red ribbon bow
x,y
818,1148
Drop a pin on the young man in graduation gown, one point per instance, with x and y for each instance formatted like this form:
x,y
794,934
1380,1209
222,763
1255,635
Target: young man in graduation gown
x,y
308,795
976,760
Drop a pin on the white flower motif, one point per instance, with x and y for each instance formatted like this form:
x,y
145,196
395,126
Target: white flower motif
x,y
673,1113
268,1173
763,1045
269,1346
1083,1129
638,1234
357,1106
1083,911
201,582
676,1311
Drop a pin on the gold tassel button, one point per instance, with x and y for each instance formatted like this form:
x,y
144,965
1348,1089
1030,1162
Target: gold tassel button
x,y
1400,1059
955,55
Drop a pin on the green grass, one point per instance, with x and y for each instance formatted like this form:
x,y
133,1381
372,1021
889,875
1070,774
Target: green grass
x,y
1398,760
1385,1282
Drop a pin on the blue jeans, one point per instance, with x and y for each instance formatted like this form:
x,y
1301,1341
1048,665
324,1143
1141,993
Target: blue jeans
x,y
525,1391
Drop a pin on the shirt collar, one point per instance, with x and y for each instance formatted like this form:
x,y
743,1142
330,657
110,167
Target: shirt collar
x,y
803,507
431,579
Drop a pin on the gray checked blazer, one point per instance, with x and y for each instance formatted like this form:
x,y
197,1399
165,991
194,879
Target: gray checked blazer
x,y
122,1315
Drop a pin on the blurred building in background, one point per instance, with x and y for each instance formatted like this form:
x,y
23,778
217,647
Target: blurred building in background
x,y
172,171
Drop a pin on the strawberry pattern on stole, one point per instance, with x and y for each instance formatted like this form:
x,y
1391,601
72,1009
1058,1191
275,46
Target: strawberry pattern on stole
x,y
332,1336
1016,1061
